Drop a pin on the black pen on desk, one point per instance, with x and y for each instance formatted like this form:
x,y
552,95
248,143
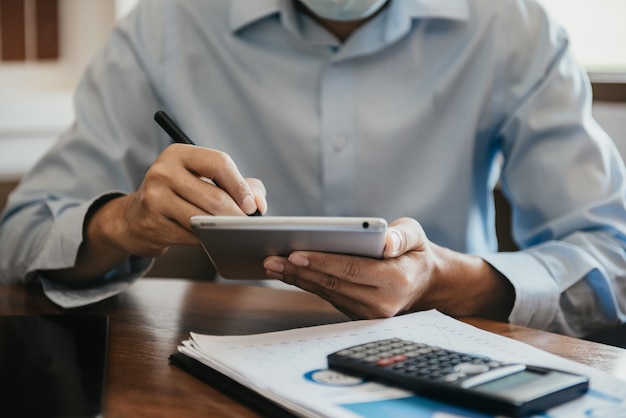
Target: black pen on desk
x,y
178,135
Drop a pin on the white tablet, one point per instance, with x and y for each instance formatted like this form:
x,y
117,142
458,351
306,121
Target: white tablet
x,y
237,245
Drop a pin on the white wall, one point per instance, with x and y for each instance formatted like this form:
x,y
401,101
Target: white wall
x,y
29,123
84,26
612,117
124,6
596,30
35,97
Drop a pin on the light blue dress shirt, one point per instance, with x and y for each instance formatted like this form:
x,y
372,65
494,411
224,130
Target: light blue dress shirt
x,y
419,113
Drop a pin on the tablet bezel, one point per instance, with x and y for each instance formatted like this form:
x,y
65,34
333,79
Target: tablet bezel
x,y
237,245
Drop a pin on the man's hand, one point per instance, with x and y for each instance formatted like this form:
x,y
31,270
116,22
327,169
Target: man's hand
x,y
414,275
184,181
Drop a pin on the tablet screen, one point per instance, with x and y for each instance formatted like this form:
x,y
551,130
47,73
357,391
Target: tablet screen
x,y
52,365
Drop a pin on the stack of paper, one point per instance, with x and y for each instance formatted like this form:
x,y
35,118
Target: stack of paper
x,y
289,368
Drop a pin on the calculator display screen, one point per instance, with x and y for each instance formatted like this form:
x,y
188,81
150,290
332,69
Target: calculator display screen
x,y
530,384
508,383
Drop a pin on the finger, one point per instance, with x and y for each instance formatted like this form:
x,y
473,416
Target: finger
x,y
322,284
177,168
154,243
205,197
354,300
352,307
213,200
169,173
178,195
258,188
148,232
403,235
219,167
360,271
176,229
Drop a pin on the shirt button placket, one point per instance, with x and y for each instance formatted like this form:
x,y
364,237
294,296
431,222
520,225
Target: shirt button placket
x,y
337,121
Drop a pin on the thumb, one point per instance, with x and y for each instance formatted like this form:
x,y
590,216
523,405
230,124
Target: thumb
x,y
403,235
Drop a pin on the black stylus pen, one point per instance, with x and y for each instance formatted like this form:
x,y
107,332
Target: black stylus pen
x,y
178,135
171,128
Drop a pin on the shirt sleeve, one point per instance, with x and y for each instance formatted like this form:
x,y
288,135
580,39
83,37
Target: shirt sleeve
x,y
565,180
107,150
115,281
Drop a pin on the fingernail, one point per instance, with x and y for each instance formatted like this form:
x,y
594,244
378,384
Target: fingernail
x,y
395,239
273,265
248,205
298,260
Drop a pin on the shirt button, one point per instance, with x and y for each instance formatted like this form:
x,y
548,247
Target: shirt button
x,y
339,143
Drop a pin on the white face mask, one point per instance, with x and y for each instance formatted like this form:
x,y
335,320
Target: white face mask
x,y
344,9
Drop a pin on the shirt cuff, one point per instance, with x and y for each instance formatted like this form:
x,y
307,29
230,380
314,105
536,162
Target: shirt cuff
x,y
66,235
536,294
113,283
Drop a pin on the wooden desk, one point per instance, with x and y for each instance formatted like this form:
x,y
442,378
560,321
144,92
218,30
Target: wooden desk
x,y
149,320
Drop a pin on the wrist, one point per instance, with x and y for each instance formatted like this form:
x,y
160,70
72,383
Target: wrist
x,y
104,228
97,253
466,285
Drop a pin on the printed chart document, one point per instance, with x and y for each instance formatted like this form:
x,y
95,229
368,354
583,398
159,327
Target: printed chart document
x,y
289,368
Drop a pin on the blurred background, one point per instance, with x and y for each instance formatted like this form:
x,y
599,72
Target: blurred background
x,y
44,47
46,44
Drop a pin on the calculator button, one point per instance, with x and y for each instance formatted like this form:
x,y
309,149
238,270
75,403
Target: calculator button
x,y
471,368
357,356
453,377
387,361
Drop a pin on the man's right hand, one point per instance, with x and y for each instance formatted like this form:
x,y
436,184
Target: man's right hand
x,y
184,181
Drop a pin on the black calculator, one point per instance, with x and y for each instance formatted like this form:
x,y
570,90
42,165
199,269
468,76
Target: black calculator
x,y
467,380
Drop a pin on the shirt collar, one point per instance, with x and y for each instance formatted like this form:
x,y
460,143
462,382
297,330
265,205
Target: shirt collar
x,y
246,12
434,9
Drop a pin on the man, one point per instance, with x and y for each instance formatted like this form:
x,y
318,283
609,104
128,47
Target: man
x,y
402,109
